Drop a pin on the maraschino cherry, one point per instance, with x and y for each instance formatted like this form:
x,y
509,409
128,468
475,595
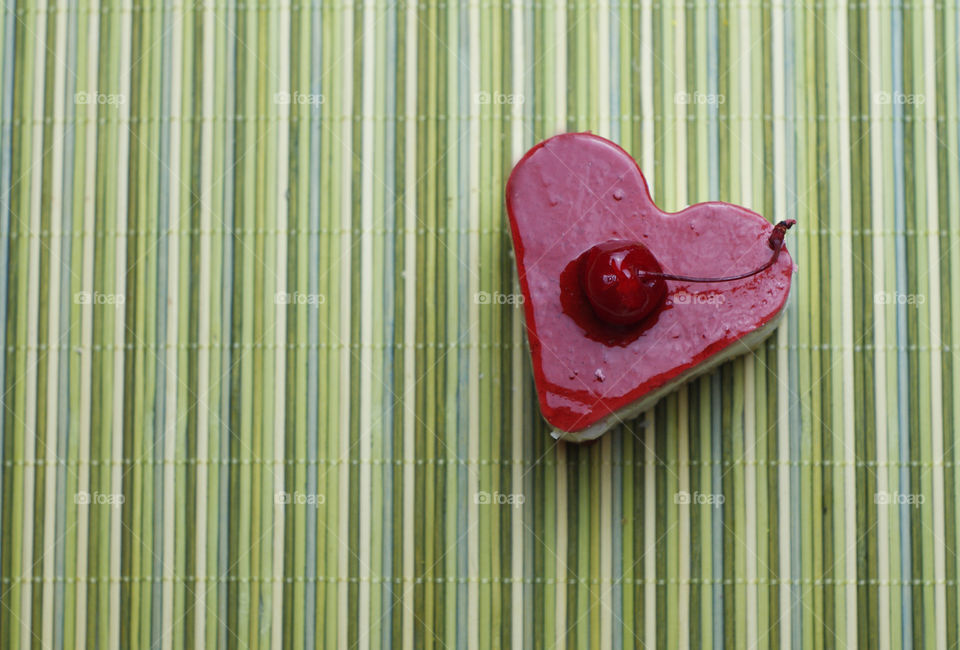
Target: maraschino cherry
x,y
625,284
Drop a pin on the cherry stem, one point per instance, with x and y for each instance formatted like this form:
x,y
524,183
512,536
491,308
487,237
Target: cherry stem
x,y
775,242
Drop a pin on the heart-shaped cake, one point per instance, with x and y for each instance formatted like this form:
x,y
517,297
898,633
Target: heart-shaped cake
x,y
624,301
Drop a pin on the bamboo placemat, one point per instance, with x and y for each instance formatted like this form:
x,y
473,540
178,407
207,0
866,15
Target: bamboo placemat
x,y
264,383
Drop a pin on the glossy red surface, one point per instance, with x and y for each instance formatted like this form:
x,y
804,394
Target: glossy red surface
x,y
617,279
576,191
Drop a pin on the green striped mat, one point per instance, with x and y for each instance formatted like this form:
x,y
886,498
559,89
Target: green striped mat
x,y
263,384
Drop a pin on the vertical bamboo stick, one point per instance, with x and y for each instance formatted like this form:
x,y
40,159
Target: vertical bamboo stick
x,y
517,527
52,425
28,426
